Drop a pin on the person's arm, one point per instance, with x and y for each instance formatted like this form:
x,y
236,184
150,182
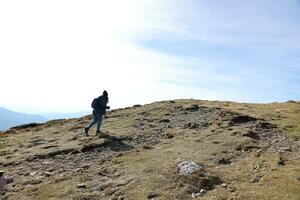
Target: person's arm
x,y
103,104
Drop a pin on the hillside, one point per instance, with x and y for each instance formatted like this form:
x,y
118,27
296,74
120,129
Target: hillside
x,y
232,151
10,118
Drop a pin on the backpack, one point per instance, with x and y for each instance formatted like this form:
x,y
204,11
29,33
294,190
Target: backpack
x,y
94,103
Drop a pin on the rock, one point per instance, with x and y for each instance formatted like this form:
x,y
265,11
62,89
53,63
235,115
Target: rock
x,y
255,179
32,173
224,161
81,185
251,134
196,195
48,174
188,167
241,119
224,185
10,179
168,135
118,193
258,153
285,149
86,166
75,137
191,125
51,170
281,161
78,170
192,108
165,121
147,147
152,195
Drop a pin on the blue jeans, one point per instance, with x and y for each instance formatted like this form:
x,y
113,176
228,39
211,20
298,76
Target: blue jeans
x,y
97,118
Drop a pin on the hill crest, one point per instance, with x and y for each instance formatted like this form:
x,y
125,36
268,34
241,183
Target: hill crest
x,y
242,148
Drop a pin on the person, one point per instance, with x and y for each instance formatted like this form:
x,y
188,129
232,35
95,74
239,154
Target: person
x,y
99,106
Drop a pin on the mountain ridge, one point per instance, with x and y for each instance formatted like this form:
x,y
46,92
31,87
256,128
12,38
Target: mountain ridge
x,y
9,118
244,151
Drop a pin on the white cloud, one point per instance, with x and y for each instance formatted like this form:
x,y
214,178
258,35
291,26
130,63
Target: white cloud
x,y
58,55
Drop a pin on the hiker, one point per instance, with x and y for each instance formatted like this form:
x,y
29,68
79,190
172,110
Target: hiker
x,y
99,106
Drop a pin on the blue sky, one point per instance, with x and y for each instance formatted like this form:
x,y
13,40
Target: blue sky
x,y
56,56
247,49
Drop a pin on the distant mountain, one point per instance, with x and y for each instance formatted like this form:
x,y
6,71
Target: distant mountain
x,y
54,115
10,118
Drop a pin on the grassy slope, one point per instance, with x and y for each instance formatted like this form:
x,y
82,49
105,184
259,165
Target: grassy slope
x,y
153,169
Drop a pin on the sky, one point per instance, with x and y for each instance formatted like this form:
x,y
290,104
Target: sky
x,y
56,56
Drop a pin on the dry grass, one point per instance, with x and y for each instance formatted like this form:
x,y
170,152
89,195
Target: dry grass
x,y
150,170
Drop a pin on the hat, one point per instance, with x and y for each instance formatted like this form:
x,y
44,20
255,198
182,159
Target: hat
x,y
105,93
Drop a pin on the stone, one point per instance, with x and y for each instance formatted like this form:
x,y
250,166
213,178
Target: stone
x,y
188,167
137,106
165,121
48,174
81,185
32,173
224,185
10,179
251,134
191,125
86,166
196,195
255,179
202,191
192,108
152,195
118,193
281,161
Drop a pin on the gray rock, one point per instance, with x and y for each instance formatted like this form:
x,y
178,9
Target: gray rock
x,y
202,191
152,195
86,166
188,167
224,185
10,179
81,185
196,195
32,173
48,174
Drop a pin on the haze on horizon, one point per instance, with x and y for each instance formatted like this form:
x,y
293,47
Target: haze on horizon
x,y
56,56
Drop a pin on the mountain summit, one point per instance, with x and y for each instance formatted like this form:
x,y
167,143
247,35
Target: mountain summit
x,y
181,149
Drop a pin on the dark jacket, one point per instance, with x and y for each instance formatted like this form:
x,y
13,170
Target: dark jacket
x,y
101,105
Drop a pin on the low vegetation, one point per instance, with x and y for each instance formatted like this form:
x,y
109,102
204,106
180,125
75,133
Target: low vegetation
x,y
247,151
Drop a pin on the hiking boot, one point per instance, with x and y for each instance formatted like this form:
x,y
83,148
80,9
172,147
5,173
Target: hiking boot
x,y
98,132
86,131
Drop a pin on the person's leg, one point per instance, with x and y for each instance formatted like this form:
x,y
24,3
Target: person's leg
x,y
93,122
99,123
